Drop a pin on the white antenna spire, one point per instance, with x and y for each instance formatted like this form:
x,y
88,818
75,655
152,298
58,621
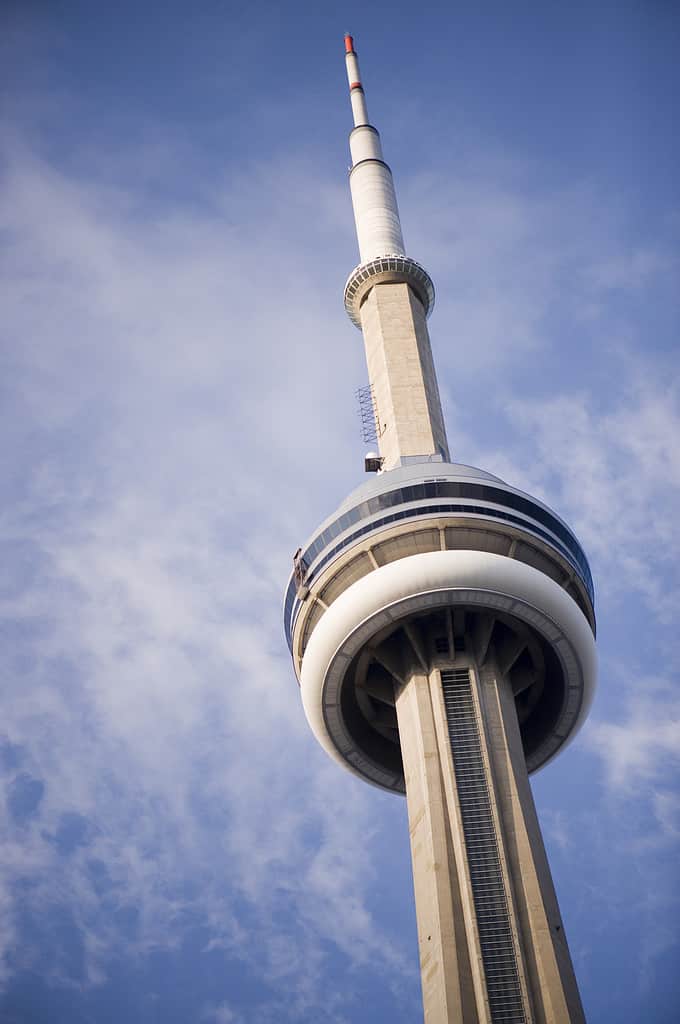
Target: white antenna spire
x,y
356,90
375,204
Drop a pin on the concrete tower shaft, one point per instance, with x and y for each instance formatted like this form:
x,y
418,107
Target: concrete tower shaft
x,y
442,629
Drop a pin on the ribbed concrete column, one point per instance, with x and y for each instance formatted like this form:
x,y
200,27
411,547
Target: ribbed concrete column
x,y
446,974
549,968
472,857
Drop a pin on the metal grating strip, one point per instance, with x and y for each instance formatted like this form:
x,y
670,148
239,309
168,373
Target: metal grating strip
x,y
481,844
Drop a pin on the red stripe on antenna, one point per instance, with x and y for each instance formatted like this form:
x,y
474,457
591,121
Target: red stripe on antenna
x,y
349,44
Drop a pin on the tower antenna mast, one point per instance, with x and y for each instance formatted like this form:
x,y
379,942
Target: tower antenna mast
x,y
442,630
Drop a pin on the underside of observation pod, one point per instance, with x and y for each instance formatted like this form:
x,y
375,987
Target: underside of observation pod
x,y
441,610
441,638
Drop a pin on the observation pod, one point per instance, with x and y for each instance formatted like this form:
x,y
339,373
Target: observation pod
x,y
434,564
442,629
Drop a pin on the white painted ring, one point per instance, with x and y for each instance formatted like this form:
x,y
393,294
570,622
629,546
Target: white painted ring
x,y
431,579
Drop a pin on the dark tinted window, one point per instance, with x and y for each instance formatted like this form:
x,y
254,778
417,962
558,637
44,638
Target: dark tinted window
x,y
569,546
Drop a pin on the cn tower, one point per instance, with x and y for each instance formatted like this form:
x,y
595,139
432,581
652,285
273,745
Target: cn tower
x,y
442,629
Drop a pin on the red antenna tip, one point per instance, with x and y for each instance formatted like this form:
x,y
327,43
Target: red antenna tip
x,y
349,44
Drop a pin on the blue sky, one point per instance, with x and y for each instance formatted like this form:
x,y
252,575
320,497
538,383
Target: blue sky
x,y
178,414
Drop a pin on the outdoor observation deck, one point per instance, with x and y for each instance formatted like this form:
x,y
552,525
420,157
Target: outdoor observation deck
x,y
439,491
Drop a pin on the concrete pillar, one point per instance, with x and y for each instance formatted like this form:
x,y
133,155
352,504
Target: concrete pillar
x,y
401,372
455,981
550,971
448,991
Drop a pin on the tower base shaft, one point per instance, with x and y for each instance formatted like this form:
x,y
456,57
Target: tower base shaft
x,y
491,939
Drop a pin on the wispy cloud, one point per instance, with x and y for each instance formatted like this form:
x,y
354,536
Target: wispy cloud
x,y
643,744
152,507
